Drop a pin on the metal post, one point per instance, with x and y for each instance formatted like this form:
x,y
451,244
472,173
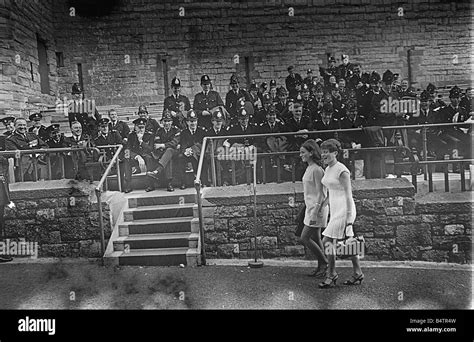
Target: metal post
x,y
213,164
119,180
255,263
424,130
101,226
197,185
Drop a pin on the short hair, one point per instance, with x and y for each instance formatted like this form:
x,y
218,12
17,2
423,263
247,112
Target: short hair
x,y
332,145
297,104
75,122
112,111
311,146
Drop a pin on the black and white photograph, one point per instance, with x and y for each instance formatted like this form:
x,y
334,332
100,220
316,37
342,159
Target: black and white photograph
x,y
264,155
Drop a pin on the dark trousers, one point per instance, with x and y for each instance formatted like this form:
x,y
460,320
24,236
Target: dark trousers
x,y
183,161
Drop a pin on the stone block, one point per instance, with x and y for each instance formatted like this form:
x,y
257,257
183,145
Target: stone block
x,y
434,256
414,235
264,242
394,211
216,237
384,231
454,229
293,250
287,235
45,214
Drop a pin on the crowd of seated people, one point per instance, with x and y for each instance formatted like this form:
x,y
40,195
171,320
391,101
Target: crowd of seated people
x,y
340,97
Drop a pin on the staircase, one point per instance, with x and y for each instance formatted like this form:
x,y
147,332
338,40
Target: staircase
x,y
156,229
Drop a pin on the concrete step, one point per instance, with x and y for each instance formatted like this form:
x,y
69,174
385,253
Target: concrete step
x,y
140,181
152,257
151,241
163,211
162,197
153,226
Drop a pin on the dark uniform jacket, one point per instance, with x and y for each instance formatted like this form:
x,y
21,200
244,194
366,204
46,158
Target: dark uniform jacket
x,y
450,114
232,102
217,142
16,141
188,140
290,82
292,126
62,142
120,127
321,126
206,102
151,126
112,138
266,142
144,149
356,136
89,123
170,139
75,142
172,103
42,132
239,130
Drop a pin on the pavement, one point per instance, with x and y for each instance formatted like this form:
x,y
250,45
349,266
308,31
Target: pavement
x,y
231,284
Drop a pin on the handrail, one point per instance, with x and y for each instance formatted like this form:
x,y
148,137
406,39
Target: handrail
x,y
98,193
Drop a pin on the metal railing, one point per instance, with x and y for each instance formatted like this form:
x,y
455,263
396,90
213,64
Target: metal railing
x,y
98,191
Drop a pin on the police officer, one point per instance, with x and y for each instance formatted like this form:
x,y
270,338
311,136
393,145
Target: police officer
x,y
234,97
352,119
21,139
262,90
271,144
205,101
38,128
177,104
190,148
345,69
292,80
165,148
8,122
56,140
308,80
273,91
140,143
218,129
331,70
107,137
282,106
254,98
151,125
118,125
327,122
373,102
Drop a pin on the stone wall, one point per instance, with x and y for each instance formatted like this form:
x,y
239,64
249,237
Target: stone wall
x,y
395,225
122,45
21,21
61,216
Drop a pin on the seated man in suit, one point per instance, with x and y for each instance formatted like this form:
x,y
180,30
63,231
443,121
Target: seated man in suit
x,y
151,125
23,140
140,145
190,149
165,148
218,129
118,125
56,140
38,128
76,164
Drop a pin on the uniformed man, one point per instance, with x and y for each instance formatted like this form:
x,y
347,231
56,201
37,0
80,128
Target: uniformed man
x,y
327,122
140,143
165,148
5,200
9,124
329,71
205,101
234,97
56,140
118,125
75,166
177,104
456,137
346,69
466,100
107,137
273,91
38,128
373,101
218,129
190,148
292,80
151,125
352,119
436,102
254,98
282,106
262,90
308,80
21,139
271,144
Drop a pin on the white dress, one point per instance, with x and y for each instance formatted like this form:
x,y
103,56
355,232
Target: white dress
x,y
312,218
337,203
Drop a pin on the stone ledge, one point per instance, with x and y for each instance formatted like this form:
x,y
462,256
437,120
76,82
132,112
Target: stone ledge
x,y
274,193
50,189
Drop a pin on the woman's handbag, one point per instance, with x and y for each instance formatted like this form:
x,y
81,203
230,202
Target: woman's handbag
x,y
348,247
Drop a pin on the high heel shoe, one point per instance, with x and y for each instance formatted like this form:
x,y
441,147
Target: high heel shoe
x,y
356,280
332,282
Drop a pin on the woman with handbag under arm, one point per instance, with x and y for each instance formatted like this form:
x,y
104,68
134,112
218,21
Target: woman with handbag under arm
x,y
316,215
342,212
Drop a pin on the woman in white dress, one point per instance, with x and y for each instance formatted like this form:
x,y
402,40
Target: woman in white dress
x,y
342,212
316,215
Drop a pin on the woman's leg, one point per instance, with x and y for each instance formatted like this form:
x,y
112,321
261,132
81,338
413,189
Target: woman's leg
x,y
329,244
356,266
306,239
